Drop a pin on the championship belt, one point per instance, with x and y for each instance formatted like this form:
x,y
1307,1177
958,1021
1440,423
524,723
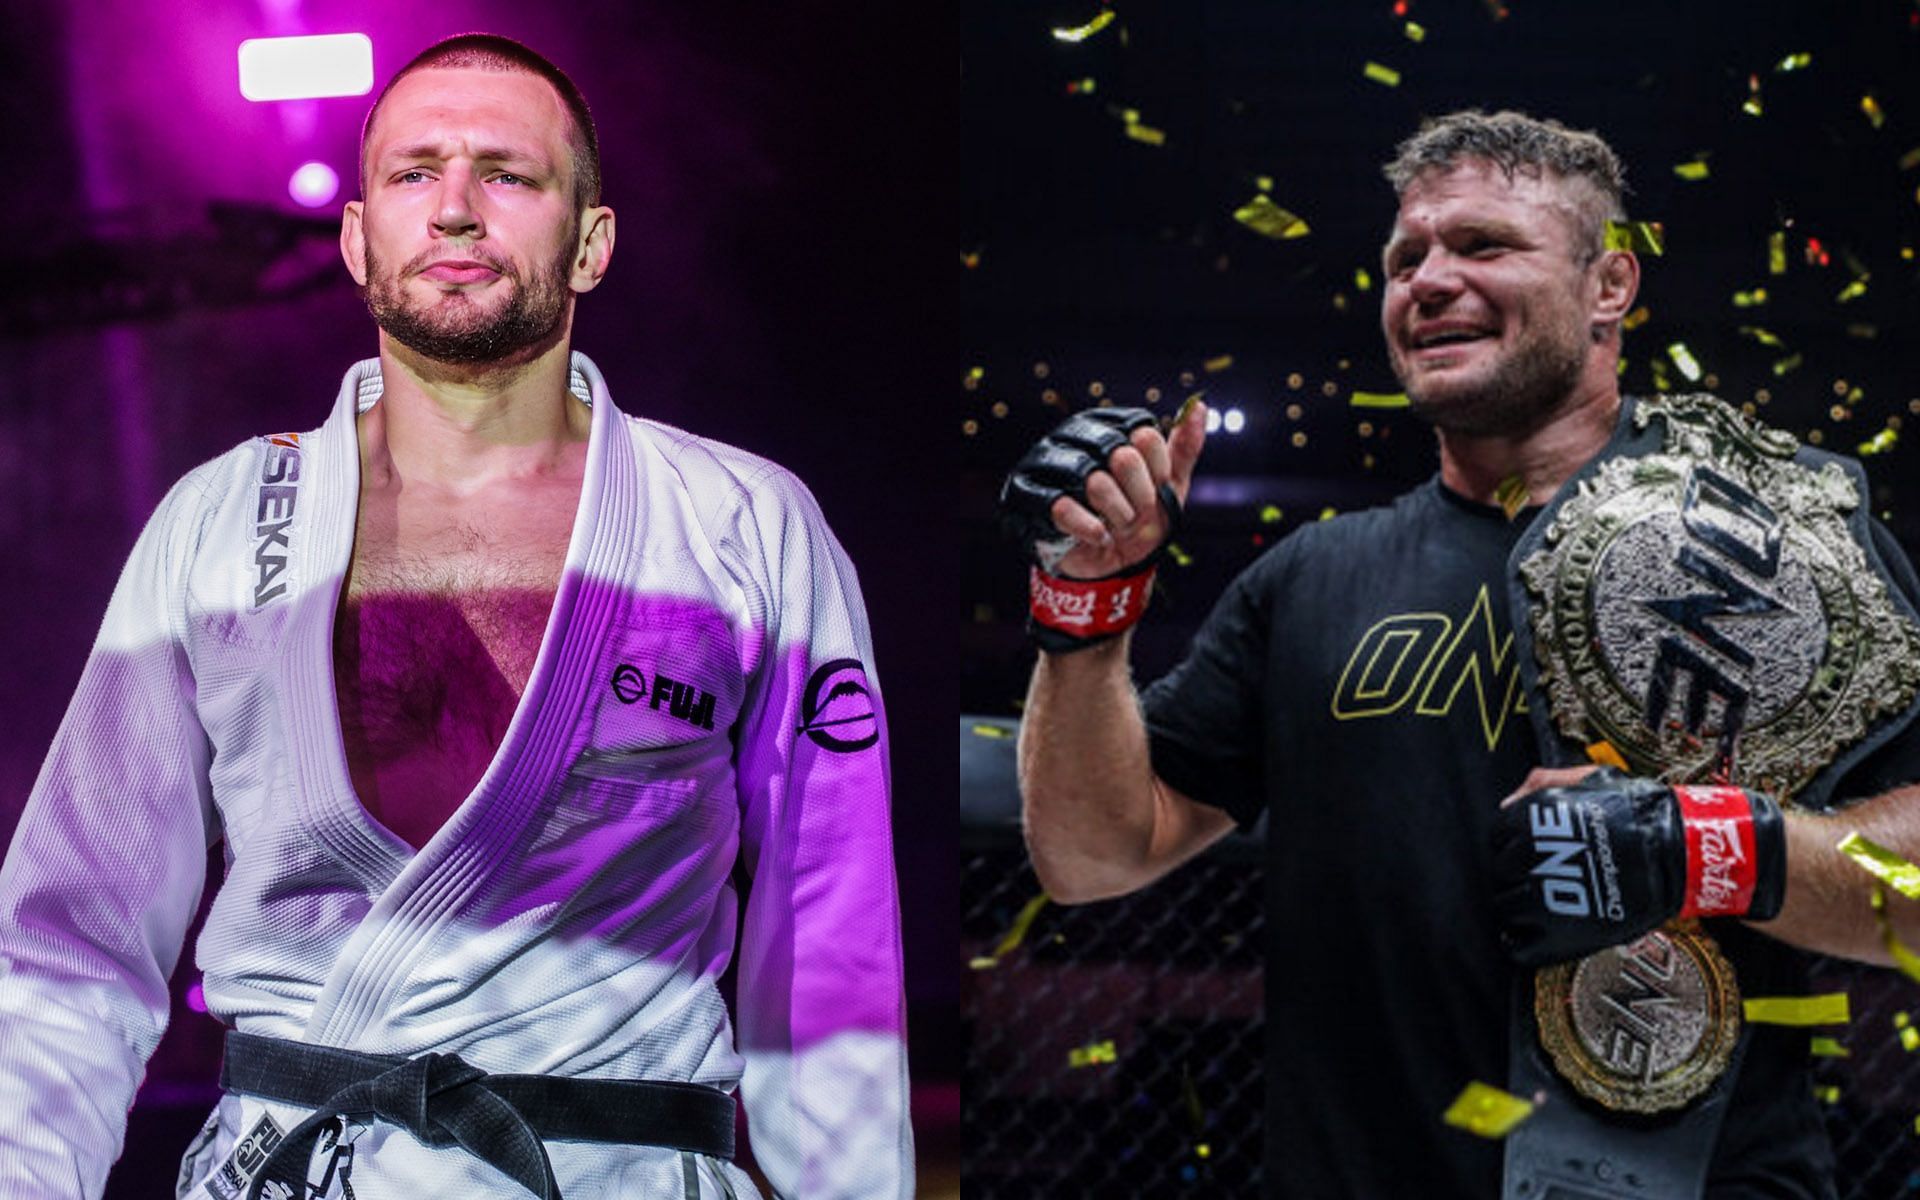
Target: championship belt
x,y
1706,599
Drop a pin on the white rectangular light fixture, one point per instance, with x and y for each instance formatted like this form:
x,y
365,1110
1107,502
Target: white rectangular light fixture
x,y
304,68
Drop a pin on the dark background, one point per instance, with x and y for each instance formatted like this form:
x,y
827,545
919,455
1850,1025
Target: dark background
x,y
780,282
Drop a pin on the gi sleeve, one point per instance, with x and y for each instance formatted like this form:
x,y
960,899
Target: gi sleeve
x,y
821,1002
101,881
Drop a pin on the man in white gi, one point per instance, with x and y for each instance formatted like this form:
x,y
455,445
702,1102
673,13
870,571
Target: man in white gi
x,y
485,686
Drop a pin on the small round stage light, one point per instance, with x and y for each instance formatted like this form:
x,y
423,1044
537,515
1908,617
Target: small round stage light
x,y
313,185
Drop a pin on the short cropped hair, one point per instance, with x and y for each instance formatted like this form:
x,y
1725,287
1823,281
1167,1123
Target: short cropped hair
x,y
491,52
1520,144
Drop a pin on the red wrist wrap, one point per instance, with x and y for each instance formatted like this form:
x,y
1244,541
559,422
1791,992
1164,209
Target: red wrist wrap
x,y
1721,867
1089,608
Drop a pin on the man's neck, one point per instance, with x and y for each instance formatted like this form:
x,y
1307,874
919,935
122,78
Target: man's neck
x,y
1542,459
462,427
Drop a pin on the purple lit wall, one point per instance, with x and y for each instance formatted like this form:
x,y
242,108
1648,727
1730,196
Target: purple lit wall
x,y
778,284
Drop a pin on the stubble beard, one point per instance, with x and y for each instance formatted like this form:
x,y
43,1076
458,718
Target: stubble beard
x,y
1517,398
456,328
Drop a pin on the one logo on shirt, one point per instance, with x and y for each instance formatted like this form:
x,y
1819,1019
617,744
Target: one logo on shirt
x,y
274,502
229,1180
837,713
683,700
1425,654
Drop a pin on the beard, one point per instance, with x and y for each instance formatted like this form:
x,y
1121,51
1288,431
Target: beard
x,y
456,326
1518,395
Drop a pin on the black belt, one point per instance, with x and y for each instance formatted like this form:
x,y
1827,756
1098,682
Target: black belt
x,y
443,1101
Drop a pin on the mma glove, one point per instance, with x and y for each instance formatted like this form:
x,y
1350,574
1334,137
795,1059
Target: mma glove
x,y
1071,614
1600,862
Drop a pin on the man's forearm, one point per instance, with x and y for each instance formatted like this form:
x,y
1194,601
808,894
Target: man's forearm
x,y
1829,906
1085,779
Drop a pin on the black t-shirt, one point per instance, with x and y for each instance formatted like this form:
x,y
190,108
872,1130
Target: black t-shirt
x,y
1360,683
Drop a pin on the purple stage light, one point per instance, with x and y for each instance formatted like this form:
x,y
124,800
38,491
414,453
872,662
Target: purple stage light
x,y
313,185
304,68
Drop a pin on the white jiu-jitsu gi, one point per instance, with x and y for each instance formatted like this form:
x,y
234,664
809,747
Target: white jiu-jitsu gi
x,y
703,695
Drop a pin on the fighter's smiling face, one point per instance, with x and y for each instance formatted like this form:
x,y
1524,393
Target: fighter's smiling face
x,y
1489,309
468,241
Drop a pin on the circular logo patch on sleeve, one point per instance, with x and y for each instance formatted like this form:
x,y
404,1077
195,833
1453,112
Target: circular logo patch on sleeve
x,y
837,712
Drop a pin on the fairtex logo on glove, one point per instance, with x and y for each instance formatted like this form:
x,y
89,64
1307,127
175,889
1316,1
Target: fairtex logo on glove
x,y
1088,608
1721,871
1576,861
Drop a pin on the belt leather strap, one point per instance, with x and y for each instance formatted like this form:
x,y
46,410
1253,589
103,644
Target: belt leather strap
x,y
444,1101
1571,1149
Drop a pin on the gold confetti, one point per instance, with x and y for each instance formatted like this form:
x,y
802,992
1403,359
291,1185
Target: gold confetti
x,y
974,376
1827,1095
1180,557
1692,171
1329,513
1826,1047
1794,62
1752,299
1645,237
1875,114
1903,958
1081,33
1382,74
1415,31
1909,1036
1853,291
1379,400
1863,331
1362,280
1271,514
1081,87
1268,219
1487,1111
1016,934
1683,358
1146,133
1790,363
1879,443
1603,754
1217,364
1752,105
970,259
1828,1009
1636,318
1882,863
1092,1055
1263,182
1511,495
1910,159
990,731
1762,336
1777,252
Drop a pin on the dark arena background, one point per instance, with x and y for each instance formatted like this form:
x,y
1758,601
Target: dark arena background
x,y
1115,1049
174,286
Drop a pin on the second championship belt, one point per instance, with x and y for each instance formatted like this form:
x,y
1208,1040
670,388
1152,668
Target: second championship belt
x,y
1705,599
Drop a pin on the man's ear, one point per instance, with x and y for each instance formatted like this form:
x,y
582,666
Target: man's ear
x,y
353,241
1619,283
595,251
